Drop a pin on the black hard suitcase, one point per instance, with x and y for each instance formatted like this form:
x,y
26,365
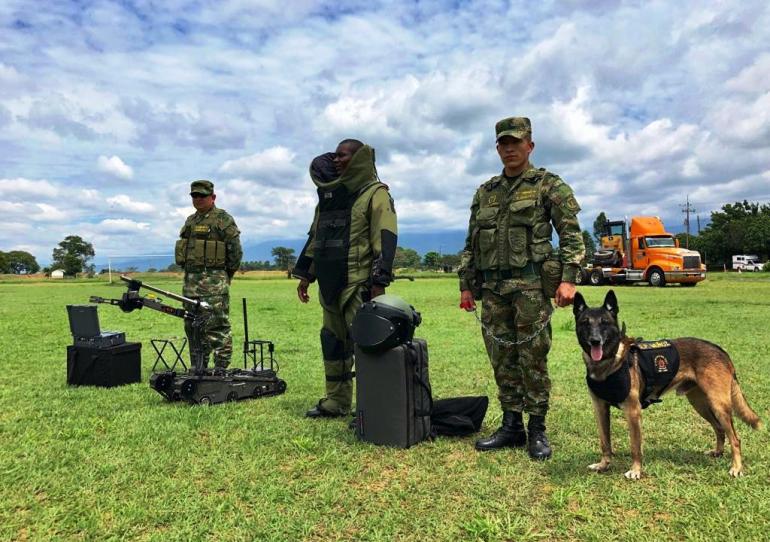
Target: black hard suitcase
x,y
105,367
393,397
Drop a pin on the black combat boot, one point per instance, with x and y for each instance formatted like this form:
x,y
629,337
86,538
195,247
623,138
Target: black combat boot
x,y
510,435
319,412
538,442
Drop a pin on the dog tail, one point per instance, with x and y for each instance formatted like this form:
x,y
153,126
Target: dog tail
x,y
742,407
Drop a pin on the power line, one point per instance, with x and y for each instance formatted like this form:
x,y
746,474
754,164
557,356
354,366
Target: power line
x,y
687,210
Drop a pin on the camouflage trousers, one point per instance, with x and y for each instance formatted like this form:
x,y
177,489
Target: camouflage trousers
x,y
337,349
212,287
521,371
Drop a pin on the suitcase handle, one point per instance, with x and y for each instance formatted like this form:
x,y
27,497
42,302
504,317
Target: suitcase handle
x,y
426,387
421,382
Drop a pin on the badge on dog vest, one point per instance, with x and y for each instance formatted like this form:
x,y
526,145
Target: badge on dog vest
x,y
661,364
658,362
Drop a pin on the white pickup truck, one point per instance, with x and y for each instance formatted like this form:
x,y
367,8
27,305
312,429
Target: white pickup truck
x,y
747,262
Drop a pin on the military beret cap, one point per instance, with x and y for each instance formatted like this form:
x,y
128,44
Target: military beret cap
x,y
518,127
202,187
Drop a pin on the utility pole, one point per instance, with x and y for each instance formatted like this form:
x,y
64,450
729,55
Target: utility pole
x,y
687,209
698,217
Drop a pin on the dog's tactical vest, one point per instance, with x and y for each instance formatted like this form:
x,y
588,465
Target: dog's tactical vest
x,y
658,363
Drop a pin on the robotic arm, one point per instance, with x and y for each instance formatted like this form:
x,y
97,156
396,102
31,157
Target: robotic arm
x,y
131,300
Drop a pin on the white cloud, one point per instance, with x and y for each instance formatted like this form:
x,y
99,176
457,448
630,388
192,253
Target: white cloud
x,y
12,209
125,203
121,226
273,167
48,213
260,206
9,75
34,212
115,167
754,78
27,188
89,195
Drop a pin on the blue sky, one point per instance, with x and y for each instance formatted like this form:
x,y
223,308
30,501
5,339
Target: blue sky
x,y
108,109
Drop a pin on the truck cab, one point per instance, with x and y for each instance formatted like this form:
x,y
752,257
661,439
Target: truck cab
x,y
644,251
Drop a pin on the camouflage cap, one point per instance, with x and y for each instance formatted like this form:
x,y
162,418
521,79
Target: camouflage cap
x,y
202,187
518,127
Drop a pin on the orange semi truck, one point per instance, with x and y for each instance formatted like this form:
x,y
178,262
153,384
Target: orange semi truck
x,y
643,252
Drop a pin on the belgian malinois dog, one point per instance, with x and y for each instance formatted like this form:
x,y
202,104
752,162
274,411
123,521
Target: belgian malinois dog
x,y
705,375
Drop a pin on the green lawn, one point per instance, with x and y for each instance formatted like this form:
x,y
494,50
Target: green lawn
x,y
101,464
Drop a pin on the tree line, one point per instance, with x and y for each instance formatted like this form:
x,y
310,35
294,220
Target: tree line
x,y
737,228
284,259
71,255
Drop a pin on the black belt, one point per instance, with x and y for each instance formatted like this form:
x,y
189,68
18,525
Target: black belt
x,y
504,274
202,269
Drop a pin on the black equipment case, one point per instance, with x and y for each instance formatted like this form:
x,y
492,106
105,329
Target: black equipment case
x,y
105,367
84,325
393,397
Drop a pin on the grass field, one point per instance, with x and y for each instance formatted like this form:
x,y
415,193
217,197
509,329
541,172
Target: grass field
x,y
113,464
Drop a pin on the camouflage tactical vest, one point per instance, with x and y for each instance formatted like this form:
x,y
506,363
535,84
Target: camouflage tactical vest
x,y
202,243
513,224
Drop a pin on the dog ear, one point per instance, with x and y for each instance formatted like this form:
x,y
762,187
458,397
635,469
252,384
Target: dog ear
x,y
578,304
611,303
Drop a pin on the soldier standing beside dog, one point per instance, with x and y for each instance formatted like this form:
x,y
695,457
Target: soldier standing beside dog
x,y
350,250
508,263
209,251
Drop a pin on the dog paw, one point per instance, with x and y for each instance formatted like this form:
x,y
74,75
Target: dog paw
x,y
713,453
599,467
735,473
633,474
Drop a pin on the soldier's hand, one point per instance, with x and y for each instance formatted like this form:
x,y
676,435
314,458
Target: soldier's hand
x,y
466,301
377,290
302,290
565,294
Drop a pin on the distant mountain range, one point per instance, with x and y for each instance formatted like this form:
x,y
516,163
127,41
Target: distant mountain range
x,y
444,242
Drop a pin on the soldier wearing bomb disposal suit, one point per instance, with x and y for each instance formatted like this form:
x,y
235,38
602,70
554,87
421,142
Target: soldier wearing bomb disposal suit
x,y
508,263
209,251
350,251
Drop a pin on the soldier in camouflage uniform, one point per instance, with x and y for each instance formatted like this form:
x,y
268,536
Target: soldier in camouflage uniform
x,y
209,251
350,250
508,263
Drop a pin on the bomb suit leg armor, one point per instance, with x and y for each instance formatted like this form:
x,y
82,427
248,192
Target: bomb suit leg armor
x,y
337,350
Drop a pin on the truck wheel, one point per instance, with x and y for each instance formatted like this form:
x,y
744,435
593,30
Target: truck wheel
x,y
656,278
204,401
580,278
596,278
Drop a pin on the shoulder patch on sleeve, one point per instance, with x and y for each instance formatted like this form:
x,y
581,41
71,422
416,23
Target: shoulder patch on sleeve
x,y
572,204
